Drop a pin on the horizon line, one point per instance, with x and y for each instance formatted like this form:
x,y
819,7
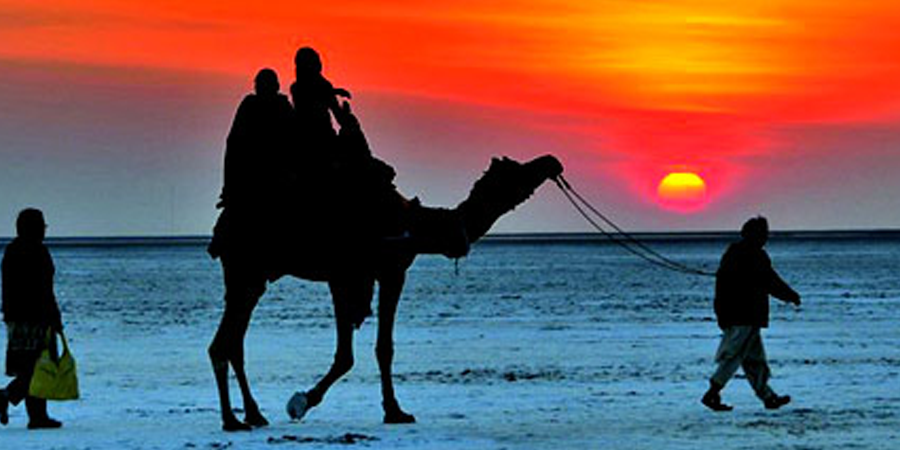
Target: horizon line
x,y
553,236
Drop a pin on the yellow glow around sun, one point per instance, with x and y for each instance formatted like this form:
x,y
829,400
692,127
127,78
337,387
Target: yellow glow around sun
x,y
682,191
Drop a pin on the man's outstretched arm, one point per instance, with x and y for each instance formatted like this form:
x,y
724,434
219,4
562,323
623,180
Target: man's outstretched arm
x,y
780,290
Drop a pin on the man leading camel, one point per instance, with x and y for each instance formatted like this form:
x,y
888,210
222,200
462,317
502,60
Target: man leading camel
x,y
744,281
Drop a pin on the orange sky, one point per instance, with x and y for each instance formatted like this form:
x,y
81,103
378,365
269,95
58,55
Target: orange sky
x,y
645,87
755,59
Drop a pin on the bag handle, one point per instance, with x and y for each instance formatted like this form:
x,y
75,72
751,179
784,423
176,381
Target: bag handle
x,y
65,343
62,337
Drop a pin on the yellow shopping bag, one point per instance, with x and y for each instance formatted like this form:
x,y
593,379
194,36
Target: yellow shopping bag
x,y
54,379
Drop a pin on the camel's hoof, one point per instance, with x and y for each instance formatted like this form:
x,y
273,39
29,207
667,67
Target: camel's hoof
x,y
298,405
255,419
398,417
235,425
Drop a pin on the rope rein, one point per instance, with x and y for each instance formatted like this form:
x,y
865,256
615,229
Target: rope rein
x,y
622,238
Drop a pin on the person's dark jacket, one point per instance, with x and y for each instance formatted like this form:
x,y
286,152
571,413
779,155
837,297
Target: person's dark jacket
x,y
314,99
257,153
744,281
28,284
256,181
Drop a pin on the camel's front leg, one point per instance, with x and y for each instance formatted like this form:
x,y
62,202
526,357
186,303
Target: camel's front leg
x,y
389,290
243,288
252,415
228,347
342,298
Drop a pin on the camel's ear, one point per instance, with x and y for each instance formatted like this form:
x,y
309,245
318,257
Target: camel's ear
x,y
552,165
502,163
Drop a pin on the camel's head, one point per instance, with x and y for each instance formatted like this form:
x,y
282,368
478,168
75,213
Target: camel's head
x,y
506,184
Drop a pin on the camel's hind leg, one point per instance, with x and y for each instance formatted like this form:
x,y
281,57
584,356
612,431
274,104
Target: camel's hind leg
x,y
346,298
390,287
227,348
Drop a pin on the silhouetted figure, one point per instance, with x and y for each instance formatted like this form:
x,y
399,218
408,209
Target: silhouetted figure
x,y
744,281
256,173
258,147
256,184
352,229
29,310
339,183
319,166
314,98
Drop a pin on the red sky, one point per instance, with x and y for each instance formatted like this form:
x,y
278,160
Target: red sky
x,y
787,108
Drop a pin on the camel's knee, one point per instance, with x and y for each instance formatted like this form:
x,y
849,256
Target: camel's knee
x,y
215,349
217,356
225,348
343,362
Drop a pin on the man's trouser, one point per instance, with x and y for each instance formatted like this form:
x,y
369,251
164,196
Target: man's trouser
x,y
742,346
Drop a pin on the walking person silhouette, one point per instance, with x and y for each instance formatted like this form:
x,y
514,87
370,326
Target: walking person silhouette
x,y
744,281
29,310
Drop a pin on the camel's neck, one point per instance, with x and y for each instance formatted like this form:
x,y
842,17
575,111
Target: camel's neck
x,y
505,185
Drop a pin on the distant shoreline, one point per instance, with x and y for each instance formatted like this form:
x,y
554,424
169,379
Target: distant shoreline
x,y
501,238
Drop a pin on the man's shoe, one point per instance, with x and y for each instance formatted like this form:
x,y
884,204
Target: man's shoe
x,y
776,401
45,423
714,402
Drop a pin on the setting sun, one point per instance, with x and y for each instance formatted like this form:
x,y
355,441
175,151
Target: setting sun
x,y
682,192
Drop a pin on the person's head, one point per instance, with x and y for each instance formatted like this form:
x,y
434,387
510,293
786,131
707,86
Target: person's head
x,y
307,62
30,224
756,231
266,82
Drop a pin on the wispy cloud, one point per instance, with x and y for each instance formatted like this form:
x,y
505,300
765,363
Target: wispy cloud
x,y
43,16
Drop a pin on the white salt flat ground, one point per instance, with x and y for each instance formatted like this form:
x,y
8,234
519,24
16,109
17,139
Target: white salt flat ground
x,y
529,347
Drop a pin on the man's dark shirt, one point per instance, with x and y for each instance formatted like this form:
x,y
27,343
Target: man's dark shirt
x,y
744,281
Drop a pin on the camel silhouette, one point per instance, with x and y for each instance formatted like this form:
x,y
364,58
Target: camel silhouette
x,y
418,230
